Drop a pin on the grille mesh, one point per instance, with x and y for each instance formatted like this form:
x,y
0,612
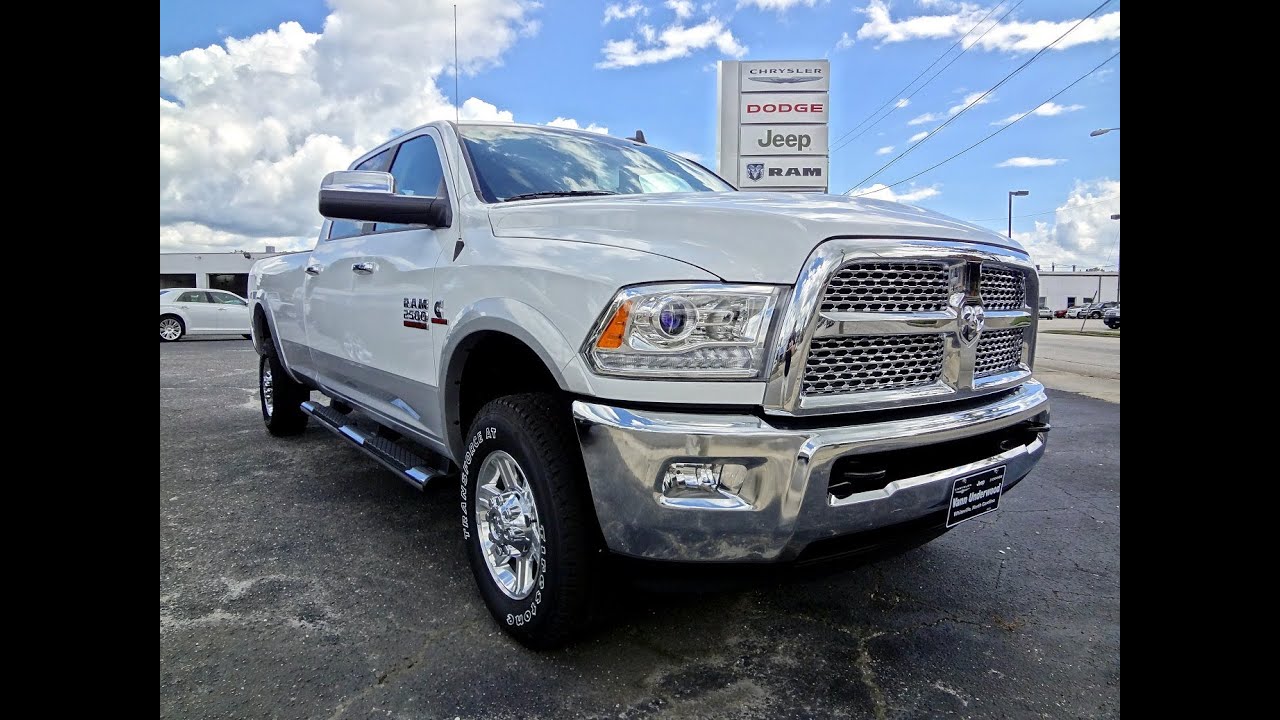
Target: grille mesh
x,y
874,362
998,351
887,287
1002,289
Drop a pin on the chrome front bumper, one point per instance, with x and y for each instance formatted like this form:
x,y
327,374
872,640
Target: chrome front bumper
x,y
782,504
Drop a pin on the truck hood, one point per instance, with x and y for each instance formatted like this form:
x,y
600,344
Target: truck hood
x,y
739,236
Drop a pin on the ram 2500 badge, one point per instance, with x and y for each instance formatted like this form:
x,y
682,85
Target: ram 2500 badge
x,y
611,351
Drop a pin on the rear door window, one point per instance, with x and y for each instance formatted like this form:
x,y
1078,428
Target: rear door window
x,y
193,296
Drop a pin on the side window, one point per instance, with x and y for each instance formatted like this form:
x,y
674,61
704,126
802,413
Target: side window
x,y
226,299
193,296
348,228
417,171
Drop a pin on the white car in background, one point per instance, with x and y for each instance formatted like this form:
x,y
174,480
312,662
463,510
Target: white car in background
x,y
199,311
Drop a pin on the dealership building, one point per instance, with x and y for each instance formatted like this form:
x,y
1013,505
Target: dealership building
x,y
215,270
1063,289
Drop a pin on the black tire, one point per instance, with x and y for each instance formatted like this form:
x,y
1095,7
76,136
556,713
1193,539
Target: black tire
x,y
534,430
283,415
166,323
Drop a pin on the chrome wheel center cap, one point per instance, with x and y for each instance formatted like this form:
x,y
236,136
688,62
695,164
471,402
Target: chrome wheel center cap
x,y
509,521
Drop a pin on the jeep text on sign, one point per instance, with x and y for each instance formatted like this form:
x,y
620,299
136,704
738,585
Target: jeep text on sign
x,y
782,108
775,75
784,140
782,172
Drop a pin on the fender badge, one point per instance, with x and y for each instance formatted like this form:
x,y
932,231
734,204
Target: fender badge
x,y
439,310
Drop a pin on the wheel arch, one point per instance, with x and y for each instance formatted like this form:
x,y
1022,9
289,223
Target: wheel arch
x,y
490,355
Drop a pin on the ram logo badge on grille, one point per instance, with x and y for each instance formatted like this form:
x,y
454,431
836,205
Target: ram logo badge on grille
x,y
972,320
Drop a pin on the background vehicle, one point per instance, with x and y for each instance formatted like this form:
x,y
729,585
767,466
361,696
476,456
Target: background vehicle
x,y
611,351
197,311
1046,313
1112,317
1092,310
1060,313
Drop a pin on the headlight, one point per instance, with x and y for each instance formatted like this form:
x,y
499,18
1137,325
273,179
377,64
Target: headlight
x,y
684,331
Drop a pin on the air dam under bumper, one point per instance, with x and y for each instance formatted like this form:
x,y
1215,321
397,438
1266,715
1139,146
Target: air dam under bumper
x,y
781,501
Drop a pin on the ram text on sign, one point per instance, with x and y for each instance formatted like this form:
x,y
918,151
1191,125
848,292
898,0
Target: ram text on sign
x,y
775,172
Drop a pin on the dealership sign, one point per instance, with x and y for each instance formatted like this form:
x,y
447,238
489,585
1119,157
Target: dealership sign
x,y
773,124
784,140
766,173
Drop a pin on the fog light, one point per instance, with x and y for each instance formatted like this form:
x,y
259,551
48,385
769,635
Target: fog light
x,y
692,476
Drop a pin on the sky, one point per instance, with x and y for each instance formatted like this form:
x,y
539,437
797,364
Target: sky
x,y
258,100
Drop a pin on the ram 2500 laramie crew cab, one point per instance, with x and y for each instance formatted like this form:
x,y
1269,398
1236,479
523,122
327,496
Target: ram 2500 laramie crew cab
x,y
608,350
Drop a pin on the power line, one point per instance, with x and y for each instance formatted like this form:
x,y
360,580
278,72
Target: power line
x,y
990,27
997,132
922,72
1046,212
979,99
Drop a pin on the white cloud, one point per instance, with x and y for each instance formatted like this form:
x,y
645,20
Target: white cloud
x,y
696,157
618,11
673,42
972,97
879,191
573,125
845,42
779,5
1012,36
648,33
682,8
251,126
1048,109
885,150
919,136
1082,231
1022,161
902,102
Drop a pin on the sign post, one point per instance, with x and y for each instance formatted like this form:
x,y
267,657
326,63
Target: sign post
x,y
772,133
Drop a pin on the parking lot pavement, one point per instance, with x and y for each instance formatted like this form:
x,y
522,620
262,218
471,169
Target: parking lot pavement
x,y
298,579
1083,364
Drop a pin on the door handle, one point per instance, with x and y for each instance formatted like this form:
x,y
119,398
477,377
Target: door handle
x,y
364,268
313,270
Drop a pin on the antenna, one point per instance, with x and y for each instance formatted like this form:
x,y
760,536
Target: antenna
x,y
456,103
457,119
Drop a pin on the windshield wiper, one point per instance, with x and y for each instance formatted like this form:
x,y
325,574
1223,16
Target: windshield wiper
x,y
558,193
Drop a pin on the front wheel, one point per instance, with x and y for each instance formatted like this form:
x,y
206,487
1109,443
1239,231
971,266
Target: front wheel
x,y
527,520
281,398
171,329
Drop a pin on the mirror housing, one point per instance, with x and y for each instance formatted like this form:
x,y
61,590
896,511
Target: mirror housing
x,y
366,196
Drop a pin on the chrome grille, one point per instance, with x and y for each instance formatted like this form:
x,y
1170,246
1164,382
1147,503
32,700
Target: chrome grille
x,y
998,351
1002,288
887,287
875,362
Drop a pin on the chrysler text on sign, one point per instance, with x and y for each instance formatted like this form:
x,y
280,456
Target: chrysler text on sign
x,y
776,75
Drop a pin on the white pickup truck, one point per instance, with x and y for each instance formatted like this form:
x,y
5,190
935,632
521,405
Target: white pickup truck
x,y
611,351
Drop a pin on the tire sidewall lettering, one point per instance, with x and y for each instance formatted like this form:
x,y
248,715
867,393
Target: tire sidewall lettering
x,y
475,445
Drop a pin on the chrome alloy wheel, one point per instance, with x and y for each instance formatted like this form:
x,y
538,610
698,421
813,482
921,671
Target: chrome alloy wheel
x,y
268,389
170,329
507,525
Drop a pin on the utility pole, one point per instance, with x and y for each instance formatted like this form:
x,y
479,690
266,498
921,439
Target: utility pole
x,y
1117,217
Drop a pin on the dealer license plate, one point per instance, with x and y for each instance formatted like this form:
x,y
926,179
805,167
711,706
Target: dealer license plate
x,y
974,495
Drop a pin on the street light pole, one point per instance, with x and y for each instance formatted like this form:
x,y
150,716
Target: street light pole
x,y
1019,193
1116,216
1103,131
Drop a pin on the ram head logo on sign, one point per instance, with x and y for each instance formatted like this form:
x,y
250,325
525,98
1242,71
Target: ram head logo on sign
x,y
755,171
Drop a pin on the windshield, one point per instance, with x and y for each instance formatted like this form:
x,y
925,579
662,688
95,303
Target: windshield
x,y
509,162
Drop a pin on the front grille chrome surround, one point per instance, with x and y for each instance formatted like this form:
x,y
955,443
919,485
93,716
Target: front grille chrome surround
x,y
876,323
998,351
872,362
